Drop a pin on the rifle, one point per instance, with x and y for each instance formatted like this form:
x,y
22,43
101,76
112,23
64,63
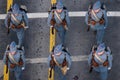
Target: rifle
x,y
91,68
8,29
91,63
52,65
52,22
6,64
88,28
89,16
9,20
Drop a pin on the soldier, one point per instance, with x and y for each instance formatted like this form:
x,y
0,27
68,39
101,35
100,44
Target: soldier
x,y
14,59
59,60
96,19
59,20
17,20
100,60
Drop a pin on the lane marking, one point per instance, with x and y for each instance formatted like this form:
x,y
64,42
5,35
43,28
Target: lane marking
x,y
6,75
52,40
44,60
71,14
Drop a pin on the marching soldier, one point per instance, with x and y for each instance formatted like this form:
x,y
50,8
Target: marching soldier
x,y
96,19
17,20
100,60
60,61
14,59
59,20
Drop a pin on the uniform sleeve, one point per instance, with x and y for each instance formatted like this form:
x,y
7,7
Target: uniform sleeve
x,y
6,20
89,59
67,18
25,18
23,58
69,60
4,57
109,59
106,19
49,58
86,18
49,19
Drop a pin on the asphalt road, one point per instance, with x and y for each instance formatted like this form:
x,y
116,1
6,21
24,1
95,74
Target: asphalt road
x,y
78,41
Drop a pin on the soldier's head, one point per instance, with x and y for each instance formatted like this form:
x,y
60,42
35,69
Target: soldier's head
x,y
15,8
13,47
58,50
59,6
97,6
101,49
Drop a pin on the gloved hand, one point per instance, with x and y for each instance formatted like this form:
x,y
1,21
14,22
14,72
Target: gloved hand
x,y
68,68
109,68
23,68
26,27
51,26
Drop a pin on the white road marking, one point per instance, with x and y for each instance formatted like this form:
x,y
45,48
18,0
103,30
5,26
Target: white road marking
x,y
72,14
44,60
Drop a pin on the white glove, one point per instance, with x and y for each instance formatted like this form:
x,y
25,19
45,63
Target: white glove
x,y
23,68
109,68
26,27
51,26
68,68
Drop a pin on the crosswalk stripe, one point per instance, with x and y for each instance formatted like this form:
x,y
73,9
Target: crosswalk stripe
x,y
71,14
44,60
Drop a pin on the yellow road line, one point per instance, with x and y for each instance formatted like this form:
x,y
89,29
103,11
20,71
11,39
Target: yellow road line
x,y
53,2
9,4
52,43
6,75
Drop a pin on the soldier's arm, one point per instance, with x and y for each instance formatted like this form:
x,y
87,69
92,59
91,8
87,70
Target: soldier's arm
x,y
106,19
109,59
86,18
23,58
69,60
67,18
49,58
6,19
25,18
49,19
89,59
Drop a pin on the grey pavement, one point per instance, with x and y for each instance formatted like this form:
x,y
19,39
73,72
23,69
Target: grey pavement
x,y
78,40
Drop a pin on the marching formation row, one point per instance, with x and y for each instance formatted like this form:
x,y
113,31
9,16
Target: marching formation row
x,y
100,58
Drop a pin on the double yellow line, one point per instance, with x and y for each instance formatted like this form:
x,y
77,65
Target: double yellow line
x,y
6,75
52,43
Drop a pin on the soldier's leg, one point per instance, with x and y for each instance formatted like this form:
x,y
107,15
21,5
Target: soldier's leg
x,y
20,35
57,73
99,36
103,75
62,36
18,73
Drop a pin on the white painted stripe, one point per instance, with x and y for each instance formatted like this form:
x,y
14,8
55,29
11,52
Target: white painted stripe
x,y
44,60
72,14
